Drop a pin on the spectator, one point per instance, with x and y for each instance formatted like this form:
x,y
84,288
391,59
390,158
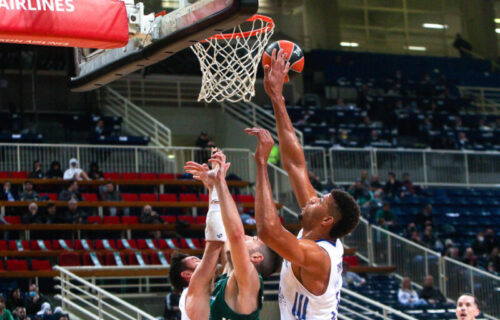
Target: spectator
x,y
99,128
463,141
431,294
424,216
6,194
14,301
55,171
172,311
29,194
491,239
203,140
94,172
37,172
108,193
4,312
448,245
20,314
415,237
453,253
34,300
407,186
32,216
392,186
360,193
407,296
363,178
410,228
148,216
463,46
469,257
75,214
428,238
315,181
245,217
74,172
375,183
385,217
479,245
71,192
350,279
44,311
494,260
52,217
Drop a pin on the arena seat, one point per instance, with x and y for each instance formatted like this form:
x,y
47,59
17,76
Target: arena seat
x,y
130,176
16,265
1,266
351,260
111,220
155,259
87,260
99,244
168,197
111,175
190,243
132,259
130,219
110,259
94,220
204,197
79,245
200,219
13,219
51,196
148,197
188,197
19,175
57,246
168,244
13,245
148,176
121,246
189,219
4,175
142,244
40,265
69,259
132,197
166,176
245,198
90,196
35,246
3,245
169,219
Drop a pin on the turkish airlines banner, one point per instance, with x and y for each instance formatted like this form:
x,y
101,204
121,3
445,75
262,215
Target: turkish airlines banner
x,y
101,24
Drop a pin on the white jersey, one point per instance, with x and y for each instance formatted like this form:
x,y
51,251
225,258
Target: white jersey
x,y
182,304
296,303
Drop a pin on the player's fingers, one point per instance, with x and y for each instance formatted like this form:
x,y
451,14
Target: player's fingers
x,y
287,67
192,163
228,165
274,55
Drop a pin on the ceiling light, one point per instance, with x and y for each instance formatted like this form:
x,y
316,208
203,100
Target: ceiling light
x,y
349,44
497,30
497,20
416,48
435,26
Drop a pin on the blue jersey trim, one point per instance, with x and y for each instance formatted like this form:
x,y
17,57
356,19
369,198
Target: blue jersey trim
x,y
331,242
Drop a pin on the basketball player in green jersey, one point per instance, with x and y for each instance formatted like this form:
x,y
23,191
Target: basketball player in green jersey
x,y
238,295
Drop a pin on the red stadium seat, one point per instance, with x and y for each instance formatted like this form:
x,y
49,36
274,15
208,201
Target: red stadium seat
x,y
111,220
13,219
87,260
200,219
132,259
155,259
79,245
111,260
189,197
148,197
130,176
189,219
121,246
166,176
148,176
190,243
99,244
169,219
204,197
69,259
143,244
1,266
4,175
130,220
351,260
13,245
94,220
168,244
56,245
130,197
245,198
35,246
203,242
3,245
111,175
52,196
16,265
90,197
169,197
19,175
40,265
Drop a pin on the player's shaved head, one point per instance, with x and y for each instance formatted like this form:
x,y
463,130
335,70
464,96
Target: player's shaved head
x,y
270,261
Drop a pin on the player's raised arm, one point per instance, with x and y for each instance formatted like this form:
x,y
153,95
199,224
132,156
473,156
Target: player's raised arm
x,y
304,253
245,273
292,155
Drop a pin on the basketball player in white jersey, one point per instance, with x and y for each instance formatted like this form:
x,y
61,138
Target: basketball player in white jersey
x,y
311,277
467,307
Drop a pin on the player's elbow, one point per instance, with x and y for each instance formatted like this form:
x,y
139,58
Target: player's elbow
x,y
267,231
236,235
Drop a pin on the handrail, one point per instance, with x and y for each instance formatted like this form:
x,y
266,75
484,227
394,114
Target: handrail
x,y
377,304
464,265
103,293
414,244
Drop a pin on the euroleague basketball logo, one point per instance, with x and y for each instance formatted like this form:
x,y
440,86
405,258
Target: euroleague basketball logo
x,y
38,5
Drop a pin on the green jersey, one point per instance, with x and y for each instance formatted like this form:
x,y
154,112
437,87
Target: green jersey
x,y
219,310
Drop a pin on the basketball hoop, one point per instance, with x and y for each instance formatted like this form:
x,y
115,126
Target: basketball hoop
x,y
229,61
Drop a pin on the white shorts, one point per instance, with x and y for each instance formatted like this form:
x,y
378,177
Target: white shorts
x,y
214,230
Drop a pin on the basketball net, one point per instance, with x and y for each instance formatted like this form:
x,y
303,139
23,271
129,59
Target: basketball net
x,y
229,61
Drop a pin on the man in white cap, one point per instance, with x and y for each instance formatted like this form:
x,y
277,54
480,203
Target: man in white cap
x,y
74,172
467,307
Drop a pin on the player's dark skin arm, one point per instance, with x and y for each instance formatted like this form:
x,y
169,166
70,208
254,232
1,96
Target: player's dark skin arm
x,y
292,155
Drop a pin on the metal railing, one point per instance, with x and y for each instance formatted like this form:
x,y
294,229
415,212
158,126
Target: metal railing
x,y
485,99
79,296
317,162
426,167
135,119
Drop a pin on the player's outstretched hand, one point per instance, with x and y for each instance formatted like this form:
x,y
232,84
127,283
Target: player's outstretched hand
x,y
219,165
264,146
275,74
200,171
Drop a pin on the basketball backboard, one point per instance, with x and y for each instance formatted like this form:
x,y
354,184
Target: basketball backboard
x,y
163,36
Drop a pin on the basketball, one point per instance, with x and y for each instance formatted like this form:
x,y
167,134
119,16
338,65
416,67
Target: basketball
x,y
293,54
